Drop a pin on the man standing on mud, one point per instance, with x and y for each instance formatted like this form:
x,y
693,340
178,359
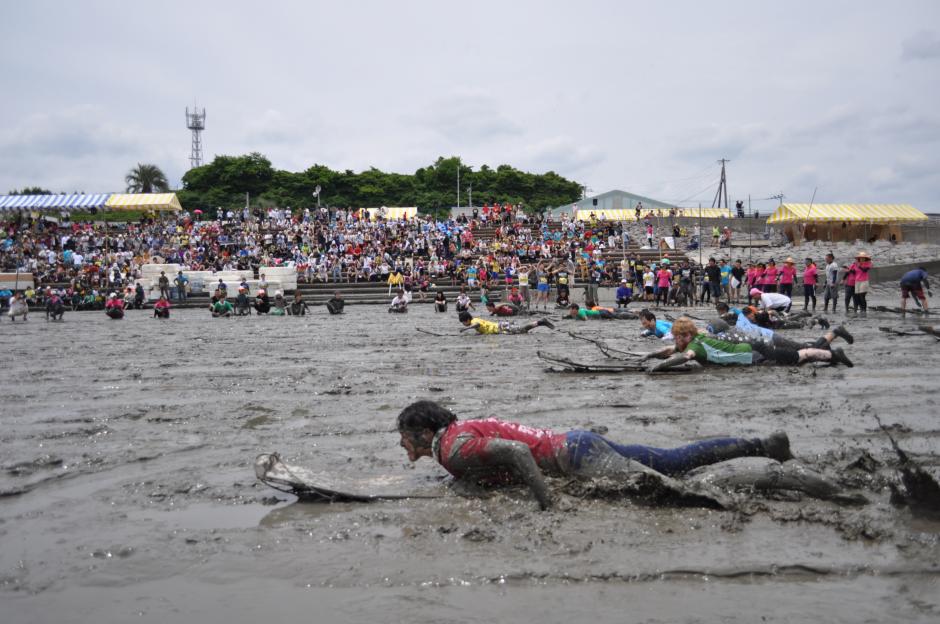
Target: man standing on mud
x,y
832,283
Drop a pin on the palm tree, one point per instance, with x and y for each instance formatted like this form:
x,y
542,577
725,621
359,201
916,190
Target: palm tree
x,y
146,179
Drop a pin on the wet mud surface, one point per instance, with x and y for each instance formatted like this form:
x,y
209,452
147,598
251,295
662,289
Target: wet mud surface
x,y
127,490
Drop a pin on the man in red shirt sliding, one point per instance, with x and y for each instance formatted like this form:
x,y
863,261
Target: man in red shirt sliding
x,y
492,451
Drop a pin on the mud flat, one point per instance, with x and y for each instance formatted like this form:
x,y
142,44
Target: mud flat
x,y
129,495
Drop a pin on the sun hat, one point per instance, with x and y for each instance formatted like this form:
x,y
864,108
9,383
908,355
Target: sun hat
x,y
788,261
863,254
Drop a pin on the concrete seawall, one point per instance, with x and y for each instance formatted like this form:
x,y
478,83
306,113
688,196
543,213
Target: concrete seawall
x,y
894,272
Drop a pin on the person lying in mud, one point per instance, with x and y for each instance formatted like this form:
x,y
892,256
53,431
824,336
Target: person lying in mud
x,y
692,345
492,452
653,327
746,331
483,326
750,323
597,313
503,309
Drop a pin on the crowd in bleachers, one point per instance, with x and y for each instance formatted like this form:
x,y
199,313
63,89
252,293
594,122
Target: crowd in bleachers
x,y
327,246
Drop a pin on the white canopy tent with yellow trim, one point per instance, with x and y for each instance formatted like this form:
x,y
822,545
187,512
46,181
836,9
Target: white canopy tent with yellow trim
x,y
844,222
157,202
850,213
630,215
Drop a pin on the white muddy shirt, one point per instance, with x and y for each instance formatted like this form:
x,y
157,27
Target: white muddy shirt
x,y
832,273
774,301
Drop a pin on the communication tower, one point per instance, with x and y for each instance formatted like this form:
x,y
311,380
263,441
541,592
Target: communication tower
x,y
196,121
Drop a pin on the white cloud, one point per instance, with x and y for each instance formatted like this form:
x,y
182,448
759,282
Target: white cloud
x,y
924,45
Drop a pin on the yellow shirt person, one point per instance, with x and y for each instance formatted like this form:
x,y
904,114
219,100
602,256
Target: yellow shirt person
x,y
484,327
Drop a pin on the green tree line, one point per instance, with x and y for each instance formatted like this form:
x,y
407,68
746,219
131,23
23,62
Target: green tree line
x,y
433,189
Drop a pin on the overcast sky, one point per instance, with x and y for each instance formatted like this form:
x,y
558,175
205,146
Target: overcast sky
x,y
640,96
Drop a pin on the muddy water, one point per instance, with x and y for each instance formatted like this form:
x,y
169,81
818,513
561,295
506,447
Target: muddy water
x,y
126,451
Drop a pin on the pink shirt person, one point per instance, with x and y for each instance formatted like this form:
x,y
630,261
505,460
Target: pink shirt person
x,y
810,275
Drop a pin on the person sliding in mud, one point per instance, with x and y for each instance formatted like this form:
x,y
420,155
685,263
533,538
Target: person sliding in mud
x,y
653,327
490,327
746,329
597,313
755,323
492,451
692,345
503,309
336,303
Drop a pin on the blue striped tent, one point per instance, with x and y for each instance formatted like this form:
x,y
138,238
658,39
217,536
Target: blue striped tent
x,y
53,203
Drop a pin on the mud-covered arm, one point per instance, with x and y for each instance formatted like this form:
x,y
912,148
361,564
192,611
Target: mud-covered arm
x,y
480,456
676,359
662,353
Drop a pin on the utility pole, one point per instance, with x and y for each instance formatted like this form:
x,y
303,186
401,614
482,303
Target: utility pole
x,y
458,183
722,186
750,231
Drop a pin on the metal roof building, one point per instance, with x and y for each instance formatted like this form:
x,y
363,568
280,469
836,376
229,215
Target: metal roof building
x,y
611,200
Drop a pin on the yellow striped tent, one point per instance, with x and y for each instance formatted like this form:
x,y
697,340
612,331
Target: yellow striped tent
x,y
159,202
846,213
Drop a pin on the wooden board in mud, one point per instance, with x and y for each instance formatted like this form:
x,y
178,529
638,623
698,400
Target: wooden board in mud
x,y
326,487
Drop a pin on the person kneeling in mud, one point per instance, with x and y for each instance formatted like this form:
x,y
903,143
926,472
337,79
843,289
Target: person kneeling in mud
x,y
242,304
440,302
483,326
597,313
399,303
336,303
262,302
492,451
161,309
55,307
114,307
692,345
222,308
298,307
279,304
